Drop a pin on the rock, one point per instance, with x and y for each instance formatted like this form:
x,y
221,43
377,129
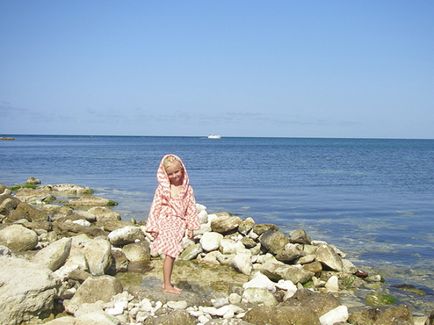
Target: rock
x,y
246,225
191,252
8,204
248,242
395,315
289,253
210,241
119,262
27,291
18,238
281,315
177,317
259,296
68,189
54,255
5,251
314,267
137,252
202,216
104,214
225,224
260,228
82,222
33,181
299,236
97,318
26,211
126,235
260,281
234,298
319,303
231,321
348,266
332,284
66,320
93,289
65,227
98,255
328,257
177,305
242,263
339,314
229,246
286,272
307,259
274,241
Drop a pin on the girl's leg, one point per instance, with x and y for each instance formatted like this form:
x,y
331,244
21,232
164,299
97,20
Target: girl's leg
x,y
167,275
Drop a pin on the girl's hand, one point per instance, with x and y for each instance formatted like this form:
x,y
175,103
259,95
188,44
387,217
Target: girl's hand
x,y
190,233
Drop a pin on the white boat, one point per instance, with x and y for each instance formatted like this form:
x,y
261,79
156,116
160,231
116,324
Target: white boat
x,y
214,136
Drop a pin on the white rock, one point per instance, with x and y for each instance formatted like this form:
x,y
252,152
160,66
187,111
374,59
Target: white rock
x,y
219,302
203,319
332,284
260,280
242,263
229,246
339,314
212,217
82,222
228,311
177,305
260,296
210,241
146,305
289,286
234,298
209,310
203,217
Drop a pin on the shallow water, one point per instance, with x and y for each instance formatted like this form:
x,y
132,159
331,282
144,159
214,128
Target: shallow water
x,y
374,199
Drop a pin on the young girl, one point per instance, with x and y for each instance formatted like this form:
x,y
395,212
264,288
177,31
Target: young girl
x,y
172,214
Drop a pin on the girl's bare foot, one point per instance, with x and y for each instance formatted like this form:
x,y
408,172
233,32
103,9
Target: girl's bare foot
x,y
172,289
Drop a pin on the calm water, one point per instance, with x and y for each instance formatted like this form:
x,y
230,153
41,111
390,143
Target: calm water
x,y
372,198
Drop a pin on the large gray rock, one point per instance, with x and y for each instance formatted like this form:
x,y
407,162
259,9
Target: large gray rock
x,y
137,252
328,257
54,255
260,228
210,241
289,253
98,255
94,289
246,225
274,241
7,204
18,238
225,224
27,291
28,212
281,315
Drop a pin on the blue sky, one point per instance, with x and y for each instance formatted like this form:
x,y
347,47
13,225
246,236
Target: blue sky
x,y
238,68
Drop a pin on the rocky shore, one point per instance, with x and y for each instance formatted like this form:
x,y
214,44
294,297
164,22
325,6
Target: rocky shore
x,y
68,259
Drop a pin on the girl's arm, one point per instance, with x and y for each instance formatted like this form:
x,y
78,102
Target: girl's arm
x,y
153,224
192,221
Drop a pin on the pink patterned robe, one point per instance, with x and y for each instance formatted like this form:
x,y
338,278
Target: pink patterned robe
x,y
171,216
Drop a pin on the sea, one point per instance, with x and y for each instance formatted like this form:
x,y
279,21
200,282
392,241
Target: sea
x,y
372,198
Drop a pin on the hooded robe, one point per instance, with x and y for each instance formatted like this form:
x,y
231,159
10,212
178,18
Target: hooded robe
x,y
169,216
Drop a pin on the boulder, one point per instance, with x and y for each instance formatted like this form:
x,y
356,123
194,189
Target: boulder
x,y
104,214
191,252
242,262
329,258
27,291
176,317
276,272
126,235
210,241
7,204
382,316
246,225
289,253
18,238
319,303
299,236
225,224
259,296
281,315
260,228
339,314
260,281
54,255
98,255
119,262
137,252
93,289
273,241
26,211
229,246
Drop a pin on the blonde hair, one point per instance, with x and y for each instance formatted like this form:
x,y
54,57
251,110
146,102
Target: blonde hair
x,y
169,160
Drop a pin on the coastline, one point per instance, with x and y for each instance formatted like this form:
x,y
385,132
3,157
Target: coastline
x,y
74,203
